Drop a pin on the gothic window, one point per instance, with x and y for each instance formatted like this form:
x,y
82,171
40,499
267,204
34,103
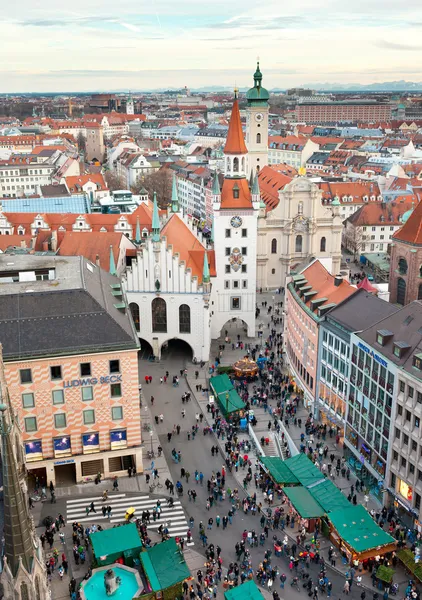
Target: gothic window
x,y
159,315
24,591
401,291
184,318
134,309
273,246
322,244
402,266
420,292
258,138
298,244
235,165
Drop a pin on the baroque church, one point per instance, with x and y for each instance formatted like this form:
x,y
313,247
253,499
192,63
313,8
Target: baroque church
x,y
184,286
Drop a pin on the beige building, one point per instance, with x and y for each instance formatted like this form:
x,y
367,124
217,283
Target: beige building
x,y
95,148
297,228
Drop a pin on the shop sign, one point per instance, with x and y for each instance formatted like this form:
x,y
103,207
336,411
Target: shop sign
x,y
92,381
33,451
372,353
64,462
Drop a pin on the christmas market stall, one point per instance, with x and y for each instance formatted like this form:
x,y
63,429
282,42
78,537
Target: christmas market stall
x,y
305,506
247,591
229,401
357,535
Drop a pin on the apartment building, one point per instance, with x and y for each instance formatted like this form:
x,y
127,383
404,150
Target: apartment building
x,y
343,112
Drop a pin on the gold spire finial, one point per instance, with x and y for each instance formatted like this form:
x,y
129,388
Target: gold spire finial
x,y
236,91
302,171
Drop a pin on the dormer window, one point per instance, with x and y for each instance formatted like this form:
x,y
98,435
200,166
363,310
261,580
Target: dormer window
x,y
383,335
236,191
417,361
400,348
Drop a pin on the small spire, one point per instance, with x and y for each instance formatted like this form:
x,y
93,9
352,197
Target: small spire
x,y
138,232
255,187
112,270
206,270
174,196
216,185
155,221
251,180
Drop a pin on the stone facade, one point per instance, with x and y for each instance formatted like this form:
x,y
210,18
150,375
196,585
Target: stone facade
x,y
405,272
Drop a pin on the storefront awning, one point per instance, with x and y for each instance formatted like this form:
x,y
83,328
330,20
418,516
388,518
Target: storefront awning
x,y
303,502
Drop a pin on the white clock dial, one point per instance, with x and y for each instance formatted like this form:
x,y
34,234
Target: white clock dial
x,y
259,117
236,221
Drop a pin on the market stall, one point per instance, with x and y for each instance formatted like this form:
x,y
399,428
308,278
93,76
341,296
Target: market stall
x,y
247,591
227,397
355,533
117,544
305,506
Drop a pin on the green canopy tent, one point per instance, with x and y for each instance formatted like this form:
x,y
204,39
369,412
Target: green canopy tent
x,y
247,591
119,542
227,397
359,535
278,470
164,565
303,502
328,496
304,469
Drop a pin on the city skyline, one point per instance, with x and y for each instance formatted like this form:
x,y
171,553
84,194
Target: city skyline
x,y
104,47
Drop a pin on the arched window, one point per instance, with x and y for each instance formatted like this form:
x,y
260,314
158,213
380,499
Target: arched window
x,y
298,243
228,164
322,244
273,246
134,310
402,266
420,292
258,138
401,291
24,591
420,271
159,315
184,318
235,165
243,165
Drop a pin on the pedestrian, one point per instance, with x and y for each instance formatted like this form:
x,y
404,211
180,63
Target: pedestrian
x,y
346,587
92,507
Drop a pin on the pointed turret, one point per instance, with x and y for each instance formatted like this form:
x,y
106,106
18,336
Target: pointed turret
x,y
18,542
235,142
206,270
255,189
155,221
216,185
138,238
112,270
174,196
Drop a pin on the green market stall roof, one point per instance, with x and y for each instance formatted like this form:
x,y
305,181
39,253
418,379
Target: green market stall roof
x,y
303,502
278,470
358,529
328,496
304,469
164,565
247,591
110,544
221,386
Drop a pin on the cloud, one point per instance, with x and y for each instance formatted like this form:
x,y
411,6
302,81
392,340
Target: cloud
x,y
262,23
65,21
131,27
396,46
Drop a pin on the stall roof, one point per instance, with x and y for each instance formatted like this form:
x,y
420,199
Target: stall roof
x,y
222,385
304,469
247,591
329,496
303,502
164,565
278,469
115,540
358,529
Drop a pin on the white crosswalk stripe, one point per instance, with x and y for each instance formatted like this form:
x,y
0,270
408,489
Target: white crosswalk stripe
x,y
174,517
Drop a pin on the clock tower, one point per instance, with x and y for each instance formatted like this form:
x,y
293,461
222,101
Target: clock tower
x,y
257,124
235,210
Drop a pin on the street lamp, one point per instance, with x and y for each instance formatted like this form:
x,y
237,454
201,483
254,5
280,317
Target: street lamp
x,y
151,434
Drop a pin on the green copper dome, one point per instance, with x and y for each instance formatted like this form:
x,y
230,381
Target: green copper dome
x,y
406,216
257,93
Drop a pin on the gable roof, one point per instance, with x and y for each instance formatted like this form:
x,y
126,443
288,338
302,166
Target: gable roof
x,y
228,191
271,182
411,231
75,183
187,245
92,244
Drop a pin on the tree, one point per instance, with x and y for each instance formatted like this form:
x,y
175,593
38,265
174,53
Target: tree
x,y
113,181
81,142
159,182
353,239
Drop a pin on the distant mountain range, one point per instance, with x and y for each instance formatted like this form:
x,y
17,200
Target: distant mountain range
x,y
386,86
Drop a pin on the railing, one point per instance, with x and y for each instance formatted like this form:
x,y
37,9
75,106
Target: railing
x,y
257,443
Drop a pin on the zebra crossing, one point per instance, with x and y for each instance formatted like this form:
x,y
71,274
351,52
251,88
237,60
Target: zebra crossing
x,y
174,517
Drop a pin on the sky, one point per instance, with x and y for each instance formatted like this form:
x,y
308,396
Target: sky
x,y
98,45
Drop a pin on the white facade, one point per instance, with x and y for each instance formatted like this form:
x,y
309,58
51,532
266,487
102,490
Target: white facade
x,y
298,228
157,262
368,238
295,157
18,180
257,137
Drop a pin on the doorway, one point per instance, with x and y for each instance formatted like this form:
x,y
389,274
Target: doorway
x,y
177,349
65,474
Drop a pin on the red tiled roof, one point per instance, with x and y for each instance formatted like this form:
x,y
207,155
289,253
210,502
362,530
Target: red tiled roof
x,y
91,244
411,231
271,182
75,182
228,191
380,213
323,282
190,249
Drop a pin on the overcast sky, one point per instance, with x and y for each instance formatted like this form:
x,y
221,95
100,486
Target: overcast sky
x,y
137,44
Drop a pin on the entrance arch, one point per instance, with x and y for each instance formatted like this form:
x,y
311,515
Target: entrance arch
x,y
145,352
234,327
175,348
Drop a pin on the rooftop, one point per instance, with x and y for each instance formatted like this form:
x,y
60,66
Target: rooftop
x,y
360,310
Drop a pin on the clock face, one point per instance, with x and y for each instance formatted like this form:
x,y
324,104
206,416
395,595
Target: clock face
x,y
259,117
236,221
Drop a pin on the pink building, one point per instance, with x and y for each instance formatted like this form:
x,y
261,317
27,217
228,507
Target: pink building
x,y
70,359
309,295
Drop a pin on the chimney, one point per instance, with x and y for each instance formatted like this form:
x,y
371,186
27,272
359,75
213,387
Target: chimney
x,y
54,240
337,280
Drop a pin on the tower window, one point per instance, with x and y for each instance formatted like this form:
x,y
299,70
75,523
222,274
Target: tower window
x,y
258,138
235,192
235,165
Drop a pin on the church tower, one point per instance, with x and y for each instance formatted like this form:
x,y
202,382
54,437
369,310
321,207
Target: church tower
x,y
257,124
235,235
130,106
23,574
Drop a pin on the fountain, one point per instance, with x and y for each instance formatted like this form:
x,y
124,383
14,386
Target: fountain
x,y
111,582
